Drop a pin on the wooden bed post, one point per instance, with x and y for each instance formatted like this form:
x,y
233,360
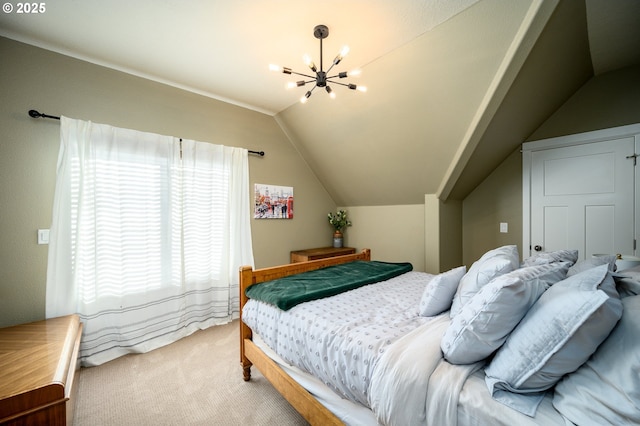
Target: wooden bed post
x,y
246,276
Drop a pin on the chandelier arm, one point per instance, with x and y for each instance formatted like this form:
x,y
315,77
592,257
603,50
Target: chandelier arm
x,y
304,75
337,82
306,82
331,67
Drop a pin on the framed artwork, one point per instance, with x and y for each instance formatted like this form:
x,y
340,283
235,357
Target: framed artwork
x,y
273,202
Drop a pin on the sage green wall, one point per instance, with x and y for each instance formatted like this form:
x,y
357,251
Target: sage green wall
x,y
33,78
497,199
432,233
443,234
393,233
427,235
451,247
608,100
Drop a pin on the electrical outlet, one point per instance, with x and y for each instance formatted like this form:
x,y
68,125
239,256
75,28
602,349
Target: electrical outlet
x,y
504,227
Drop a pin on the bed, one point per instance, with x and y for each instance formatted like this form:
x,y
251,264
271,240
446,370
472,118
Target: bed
x,y
424,353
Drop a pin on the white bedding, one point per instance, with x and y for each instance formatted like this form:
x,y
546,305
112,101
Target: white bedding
x,y
403,377
476,407
349,412
397,369
339,339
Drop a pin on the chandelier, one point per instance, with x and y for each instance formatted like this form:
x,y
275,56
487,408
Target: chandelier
x,y
321,77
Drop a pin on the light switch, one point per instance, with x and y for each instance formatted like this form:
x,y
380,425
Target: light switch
x,y
504,227
43,236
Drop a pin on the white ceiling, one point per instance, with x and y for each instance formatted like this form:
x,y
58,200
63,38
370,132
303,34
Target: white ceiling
x,y
222,49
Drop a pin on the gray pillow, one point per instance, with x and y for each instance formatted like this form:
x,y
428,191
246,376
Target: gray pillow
x,y
439,292
592,262
606,389
633,273
492,264
558,334
494,311
570,256
628,281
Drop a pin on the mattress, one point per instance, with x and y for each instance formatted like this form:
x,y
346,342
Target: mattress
x,y
339,339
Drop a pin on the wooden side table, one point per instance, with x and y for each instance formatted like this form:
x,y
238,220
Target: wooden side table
x,y
38,372
319,253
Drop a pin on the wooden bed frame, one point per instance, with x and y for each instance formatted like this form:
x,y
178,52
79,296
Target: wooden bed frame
x,y
312,410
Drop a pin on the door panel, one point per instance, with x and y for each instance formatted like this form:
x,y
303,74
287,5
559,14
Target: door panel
x,y
582,197
586,174
556,226
600,229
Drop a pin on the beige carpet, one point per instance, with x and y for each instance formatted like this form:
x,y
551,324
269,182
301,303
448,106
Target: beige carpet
x,y
195,381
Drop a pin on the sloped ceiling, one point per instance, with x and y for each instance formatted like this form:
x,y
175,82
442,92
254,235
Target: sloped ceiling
x,y
454,86
555,68
580,40
371,150
614,33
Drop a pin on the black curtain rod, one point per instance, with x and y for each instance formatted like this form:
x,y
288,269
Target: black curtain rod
x,y
35,114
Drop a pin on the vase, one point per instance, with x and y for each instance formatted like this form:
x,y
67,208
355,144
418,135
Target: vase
x,y
337,239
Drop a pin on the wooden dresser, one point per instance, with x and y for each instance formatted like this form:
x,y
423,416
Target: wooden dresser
x,y
319,253
38,370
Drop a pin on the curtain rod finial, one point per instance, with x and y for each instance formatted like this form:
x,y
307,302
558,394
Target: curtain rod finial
x,y
36,114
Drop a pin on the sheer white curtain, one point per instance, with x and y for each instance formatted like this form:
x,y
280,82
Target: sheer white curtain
x,y
147,236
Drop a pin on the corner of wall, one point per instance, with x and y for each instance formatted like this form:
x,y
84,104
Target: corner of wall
x,y
450,234
443,233
431,233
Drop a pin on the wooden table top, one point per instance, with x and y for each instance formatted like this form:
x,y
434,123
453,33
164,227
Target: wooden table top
x,y
325,250
36,355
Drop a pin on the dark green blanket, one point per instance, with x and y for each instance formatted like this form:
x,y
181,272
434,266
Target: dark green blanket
x,y
289,291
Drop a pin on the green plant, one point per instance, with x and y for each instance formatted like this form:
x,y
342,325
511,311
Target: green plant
x,y
339,220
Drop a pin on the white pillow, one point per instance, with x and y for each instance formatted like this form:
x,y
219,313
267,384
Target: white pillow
x,y
606,389
439,292
492,264
558,334
551,257
494,311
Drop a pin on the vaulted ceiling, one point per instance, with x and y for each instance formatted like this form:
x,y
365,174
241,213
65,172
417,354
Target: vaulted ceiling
x,y
454,86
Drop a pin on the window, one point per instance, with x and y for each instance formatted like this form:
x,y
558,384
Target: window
x,y
147,236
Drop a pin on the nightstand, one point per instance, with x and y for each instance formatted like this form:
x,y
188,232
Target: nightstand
x,y
320,253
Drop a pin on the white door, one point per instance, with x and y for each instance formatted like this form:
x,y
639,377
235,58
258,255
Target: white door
x,y
582,197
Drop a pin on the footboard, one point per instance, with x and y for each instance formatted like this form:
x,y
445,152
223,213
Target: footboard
x,y
250,354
